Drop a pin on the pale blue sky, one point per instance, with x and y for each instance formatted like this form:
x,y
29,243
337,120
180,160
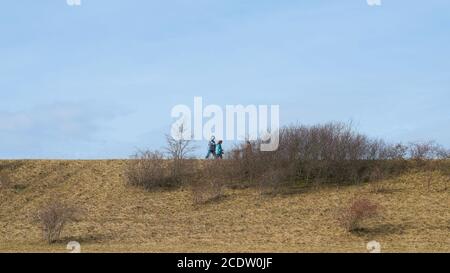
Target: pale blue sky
x,y
99,80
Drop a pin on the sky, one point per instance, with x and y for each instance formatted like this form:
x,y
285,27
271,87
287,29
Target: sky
x,y
99,80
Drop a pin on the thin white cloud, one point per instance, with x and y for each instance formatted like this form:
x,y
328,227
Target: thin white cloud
x,y
54,128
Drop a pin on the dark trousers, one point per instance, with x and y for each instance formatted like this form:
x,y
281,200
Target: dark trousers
x,y
213,153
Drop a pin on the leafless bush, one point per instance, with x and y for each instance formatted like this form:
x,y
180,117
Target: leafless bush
x,y
397,151
153,170
359,210
246,163
334,142
149,170
179,147
329,153
53,217
427,150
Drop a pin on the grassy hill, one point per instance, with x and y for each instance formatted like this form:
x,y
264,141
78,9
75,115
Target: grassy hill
x,y
121,218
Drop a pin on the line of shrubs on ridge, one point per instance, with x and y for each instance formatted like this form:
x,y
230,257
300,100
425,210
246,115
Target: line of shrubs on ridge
x,y
328,153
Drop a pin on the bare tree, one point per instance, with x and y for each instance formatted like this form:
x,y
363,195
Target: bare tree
x,y
179,148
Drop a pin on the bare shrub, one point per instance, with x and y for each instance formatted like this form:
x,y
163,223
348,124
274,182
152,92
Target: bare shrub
x,y
179,147
251,167
243,163
359,210
397,151
325,153
149,170
53,217
427,150
328,153
156,170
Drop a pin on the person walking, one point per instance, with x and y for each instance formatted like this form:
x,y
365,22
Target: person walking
x,y
211,148
219,150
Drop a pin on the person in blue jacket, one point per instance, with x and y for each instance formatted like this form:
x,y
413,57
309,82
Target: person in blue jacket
x,y
219,150
211,148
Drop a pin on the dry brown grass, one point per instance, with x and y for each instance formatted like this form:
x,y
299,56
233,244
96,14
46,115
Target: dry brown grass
x,y
121,218
5,181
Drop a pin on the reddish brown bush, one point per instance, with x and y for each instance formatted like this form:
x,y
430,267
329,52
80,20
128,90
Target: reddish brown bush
x,y
359,210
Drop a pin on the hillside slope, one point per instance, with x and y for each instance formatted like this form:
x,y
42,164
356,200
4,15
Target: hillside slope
x,y
117,217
